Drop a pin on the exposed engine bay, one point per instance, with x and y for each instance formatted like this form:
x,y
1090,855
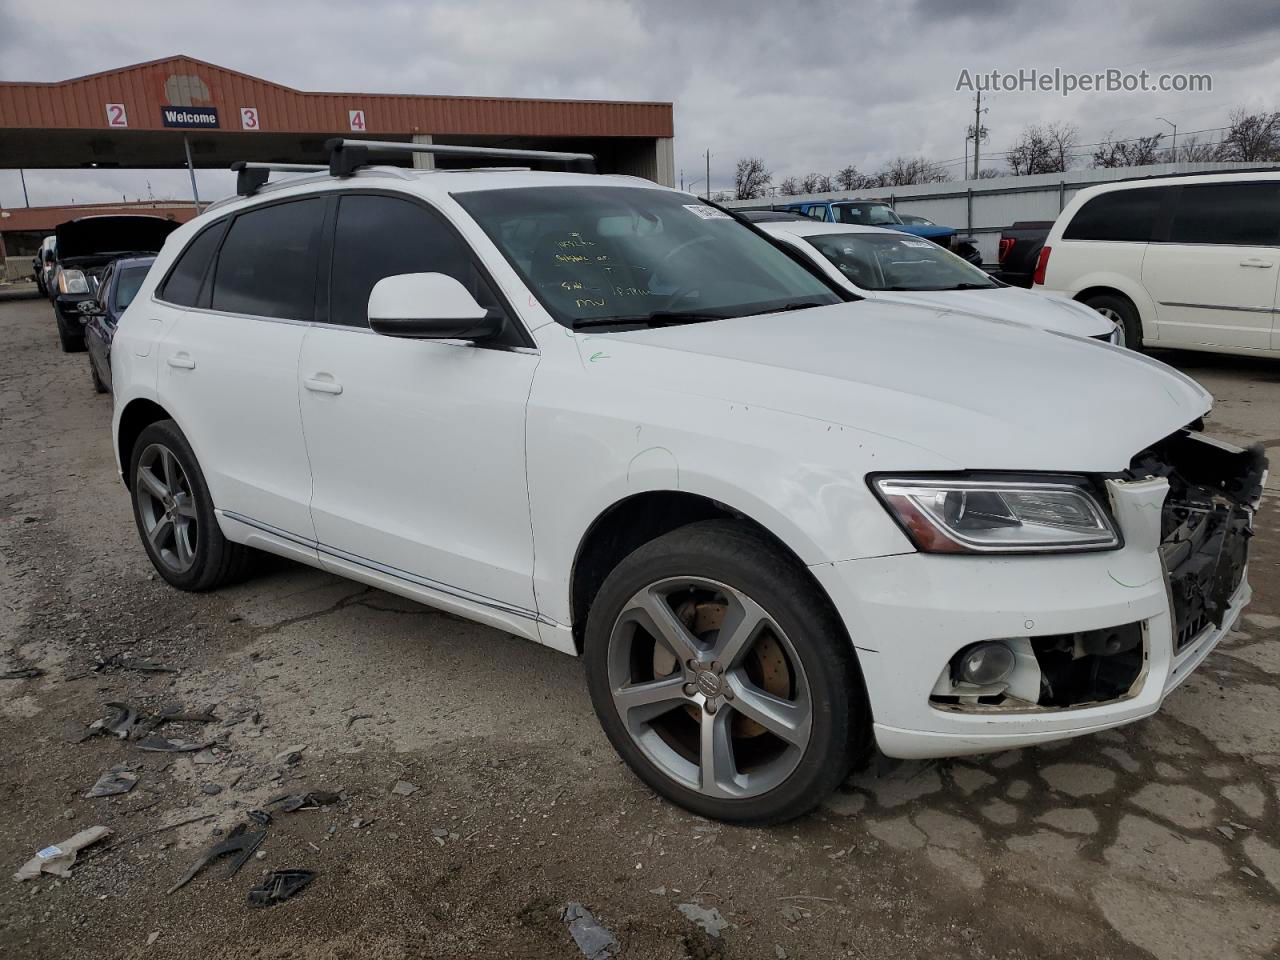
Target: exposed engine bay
x,y
1205,524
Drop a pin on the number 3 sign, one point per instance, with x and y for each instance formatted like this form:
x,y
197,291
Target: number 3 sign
x,y
249,118
116,117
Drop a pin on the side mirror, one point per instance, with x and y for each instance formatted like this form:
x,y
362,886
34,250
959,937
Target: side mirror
x,y
90,308
429,306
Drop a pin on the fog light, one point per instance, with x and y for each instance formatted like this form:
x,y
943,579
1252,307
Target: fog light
x,y
985,663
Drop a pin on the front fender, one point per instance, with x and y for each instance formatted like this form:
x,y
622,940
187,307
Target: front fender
x,y
592,443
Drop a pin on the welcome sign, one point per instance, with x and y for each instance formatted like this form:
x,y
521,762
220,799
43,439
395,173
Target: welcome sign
x,y
199,117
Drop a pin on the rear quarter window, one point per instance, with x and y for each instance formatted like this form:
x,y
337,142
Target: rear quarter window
x,y
1118,215
182,286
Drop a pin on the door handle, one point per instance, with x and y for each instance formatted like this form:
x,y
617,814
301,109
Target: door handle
x,y
1256,262
182,361
322,383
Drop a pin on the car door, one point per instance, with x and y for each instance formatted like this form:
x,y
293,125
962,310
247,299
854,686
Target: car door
x,y
416,446
99,326
1213,276
229,366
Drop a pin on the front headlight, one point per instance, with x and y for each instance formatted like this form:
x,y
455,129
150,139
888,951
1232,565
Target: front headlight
x,y
995,516
72,281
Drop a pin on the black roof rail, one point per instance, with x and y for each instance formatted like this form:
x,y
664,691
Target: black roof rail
x,y
251,177
347,156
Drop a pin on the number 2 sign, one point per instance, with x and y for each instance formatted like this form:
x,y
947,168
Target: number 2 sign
x,y
356,119
249,119
116,117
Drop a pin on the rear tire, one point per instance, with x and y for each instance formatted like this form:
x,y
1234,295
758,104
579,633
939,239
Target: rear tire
x,y
754,725
98,385
1121,310
174,513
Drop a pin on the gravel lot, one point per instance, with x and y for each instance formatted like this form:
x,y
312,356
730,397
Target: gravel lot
x,y
1160,839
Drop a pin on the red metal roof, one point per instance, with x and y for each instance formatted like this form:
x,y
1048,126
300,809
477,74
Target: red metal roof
x,y
143,89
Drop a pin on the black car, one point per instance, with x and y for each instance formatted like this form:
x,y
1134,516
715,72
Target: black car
x,y
86,247
116,289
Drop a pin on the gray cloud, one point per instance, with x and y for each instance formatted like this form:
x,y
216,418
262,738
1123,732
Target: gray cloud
x,y
809,85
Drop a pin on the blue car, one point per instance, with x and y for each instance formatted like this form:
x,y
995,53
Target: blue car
x,y
120,281
877,213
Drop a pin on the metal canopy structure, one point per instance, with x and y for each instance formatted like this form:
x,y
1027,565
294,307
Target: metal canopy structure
x,y
148,115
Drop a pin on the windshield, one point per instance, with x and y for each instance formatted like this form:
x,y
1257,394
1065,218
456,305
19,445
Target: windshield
x,y
866,214
602,255
886,261
127,287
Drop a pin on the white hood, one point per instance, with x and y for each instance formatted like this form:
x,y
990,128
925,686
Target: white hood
x,y
1050,312
982,394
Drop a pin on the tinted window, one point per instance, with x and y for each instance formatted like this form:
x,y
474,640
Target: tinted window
x,y
267,265
127,287
898,261
380,237
1245,214
183,285
1118,215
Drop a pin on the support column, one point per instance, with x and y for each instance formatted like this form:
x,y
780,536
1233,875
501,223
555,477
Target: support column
x,y
423,161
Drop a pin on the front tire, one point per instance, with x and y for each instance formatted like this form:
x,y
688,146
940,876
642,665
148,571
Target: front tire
x,y
723,677
98,385
1120,309
174,513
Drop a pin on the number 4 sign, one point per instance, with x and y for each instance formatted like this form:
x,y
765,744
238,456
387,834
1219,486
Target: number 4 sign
x,y
249,118
116,117
356,119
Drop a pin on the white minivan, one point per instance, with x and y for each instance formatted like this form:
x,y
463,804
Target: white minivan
x,y
1188,262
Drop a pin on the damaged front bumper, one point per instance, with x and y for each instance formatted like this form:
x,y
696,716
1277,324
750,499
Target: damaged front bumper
x,y
1099,639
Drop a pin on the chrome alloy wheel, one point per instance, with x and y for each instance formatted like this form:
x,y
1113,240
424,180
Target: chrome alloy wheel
x,y
709,687
167,508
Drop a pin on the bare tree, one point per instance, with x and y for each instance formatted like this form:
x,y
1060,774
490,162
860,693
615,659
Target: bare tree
x,y
849,178
789,187
751,180
1137,152
816,183
1252,136
1043,148
904,171
1192,150
989,173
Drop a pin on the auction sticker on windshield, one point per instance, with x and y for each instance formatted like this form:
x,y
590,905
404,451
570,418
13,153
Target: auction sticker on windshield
x,y
705,212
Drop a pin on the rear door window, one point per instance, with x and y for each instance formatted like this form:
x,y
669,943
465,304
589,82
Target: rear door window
x,y
1122,215
1240,214
182,287
267,265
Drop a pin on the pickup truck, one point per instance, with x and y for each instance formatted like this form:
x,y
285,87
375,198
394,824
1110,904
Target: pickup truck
x,y
1020,245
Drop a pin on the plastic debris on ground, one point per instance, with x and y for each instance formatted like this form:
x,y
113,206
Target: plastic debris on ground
x,y
593,939
708,918
280,885
240,842
59,858
158,744
404,788
26,673
117,780
313,800
119,721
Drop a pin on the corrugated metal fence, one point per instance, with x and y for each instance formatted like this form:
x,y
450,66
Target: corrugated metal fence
x,y
983,208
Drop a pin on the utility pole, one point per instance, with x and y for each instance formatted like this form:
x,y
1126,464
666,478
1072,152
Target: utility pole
x,y
191,169
682,179
23,177
977,131
708,174
1173,146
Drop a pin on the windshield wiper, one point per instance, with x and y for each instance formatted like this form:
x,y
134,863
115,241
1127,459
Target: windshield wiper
x,y
661,318
794,305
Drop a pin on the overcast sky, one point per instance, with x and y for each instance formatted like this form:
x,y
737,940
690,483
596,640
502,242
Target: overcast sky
x,y
806,85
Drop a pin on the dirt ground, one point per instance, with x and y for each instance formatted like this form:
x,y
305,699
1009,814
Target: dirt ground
x,y
1159,840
